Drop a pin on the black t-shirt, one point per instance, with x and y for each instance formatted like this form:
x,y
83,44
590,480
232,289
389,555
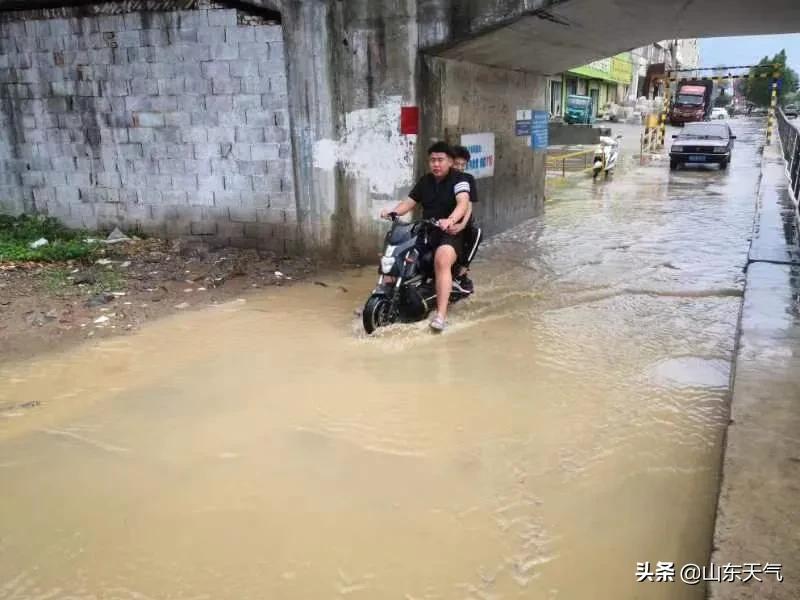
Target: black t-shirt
x,y
438,198
473,187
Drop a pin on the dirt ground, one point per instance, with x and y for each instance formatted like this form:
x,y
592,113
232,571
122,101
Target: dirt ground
x,y
46,307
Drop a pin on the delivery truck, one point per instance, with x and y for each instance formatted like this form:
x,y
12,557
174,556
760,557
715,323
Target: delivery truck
x,y
692,102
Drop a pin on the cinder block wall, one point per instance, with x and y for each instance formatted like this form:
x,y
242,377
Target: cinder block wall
x,y
175,123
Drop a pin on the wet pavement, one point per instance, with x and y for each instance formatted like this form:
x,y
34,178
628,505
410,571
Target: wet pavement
x,y
567,426
759,507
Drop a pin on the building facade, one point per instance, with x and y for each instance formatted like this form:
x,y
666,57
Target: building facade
x,y
622,78
606,81
651,62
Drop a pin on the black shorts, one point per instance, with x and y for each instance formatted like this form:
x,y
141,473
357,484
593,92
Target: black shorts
x,y
437,237
472,239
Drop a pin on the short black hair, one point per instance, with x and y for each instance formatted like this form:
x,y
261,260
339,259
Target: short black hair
x,y
442,147
461,152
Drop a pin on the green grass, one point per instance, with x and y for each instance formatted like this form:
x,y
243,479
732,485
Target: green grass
x,y
109,280
16,234
55,280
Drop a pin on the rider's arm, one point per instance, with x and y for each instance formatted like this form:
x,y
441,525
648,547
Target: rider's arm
x,y
462,224
405,206
462,204
402,208
467,214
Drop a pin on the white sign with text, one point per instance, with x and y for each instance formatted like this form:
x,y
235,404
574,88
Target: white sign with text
x,y
481,150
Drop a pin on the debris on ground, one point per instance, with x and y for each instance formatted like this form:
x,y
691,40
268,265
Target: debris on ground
x,y
84,277
116,237
44,304
100,299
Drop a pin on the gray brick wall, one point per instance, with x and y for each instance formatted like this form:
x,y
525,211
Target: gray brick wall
x,y
174,123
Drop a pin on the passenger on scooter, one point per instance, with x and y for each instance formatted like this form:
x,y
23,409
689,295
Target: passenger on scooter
x,y
472,233
444,194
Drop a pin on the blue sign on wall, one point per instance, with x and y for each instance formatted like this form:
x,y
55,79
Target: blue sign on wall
x,y
539,129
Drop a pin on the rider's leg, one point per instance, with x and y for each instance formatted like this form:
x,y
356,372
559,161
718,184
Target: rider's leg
x,y
443,261
472,239
463,265
471,248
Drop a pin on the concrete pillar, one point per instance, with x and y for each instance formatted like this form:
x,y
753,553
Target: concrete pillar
x,y
306,37
351,66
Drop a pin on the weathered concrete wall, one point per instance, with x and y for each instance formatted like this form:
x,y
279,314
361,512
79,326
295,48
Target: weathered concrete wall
x,y
364,68
352,66
462,98
366,65
175,123
10,179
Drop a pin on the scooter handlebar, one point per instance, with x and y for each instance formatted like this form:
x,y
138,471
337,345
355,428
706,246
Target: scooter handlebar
x,y
393,216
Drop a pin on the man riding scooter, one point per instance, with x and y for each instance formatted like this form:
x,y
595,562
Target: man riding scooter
x,y
444,194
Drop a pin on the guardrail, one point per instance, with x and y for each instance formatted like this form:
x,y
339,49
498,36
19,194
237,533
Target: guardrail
x,y
574,161
789,133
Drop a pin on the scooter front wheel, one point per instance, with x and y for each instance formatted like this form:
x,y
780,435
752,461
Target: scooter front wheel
x,y
377,313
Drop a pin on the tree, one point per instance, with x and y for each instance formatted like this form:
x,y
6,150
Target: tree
x,y
758,90
722,100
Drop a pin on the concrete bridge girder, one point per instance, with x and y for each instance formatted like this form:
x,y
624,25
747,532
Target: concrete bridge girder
x,y
567,33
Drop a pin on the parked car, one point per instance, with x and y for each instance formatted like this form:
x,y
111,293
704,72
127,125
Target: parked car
x,y
702,143
792,111
718,113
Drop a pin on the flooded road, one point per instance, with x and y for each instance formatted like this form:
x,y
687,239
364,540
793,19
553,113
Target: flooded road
x,y
566,427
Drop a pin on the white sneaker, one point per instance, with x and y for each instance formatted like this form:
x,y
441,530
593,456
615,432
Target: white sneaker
x,y
438,323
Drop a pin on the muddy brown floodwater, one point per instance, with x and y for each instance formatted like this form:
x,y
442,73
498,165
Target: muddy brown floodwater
x,y
567,426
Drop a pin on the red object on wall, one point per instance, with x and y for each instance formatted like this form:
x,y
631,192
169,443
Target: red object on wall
x,y
409,120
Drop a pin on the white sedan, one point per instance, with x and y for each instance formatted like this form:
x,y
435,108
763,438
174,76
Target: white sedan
x,y
718,113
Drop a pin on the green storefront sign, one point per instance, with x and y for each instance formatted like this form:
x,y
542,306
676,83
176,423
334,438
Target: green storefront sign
x,y
617,69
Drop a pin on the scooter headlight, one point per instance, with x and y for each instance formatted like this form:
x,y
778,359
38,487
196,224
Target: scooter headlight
x,y
387,262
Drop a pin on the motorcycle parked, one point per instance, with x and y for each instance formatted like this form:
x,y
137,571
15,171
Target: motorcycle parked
x,y
406,289
605,156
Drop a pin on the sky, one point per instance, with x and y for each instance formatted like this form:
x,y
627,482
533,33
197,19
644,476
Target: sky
x,y
748,50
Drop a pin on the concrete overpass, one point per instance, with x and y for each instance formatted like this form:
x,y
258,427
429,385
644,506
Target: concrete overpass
x,y
469,65
350,67
552,36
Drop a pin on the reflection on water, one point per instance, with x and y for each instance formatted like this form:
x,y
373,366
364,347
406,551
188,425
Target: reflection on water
x,y
566,428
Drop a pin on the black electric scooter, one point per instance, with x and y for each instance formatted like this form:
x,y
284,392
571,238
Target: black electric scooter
x,y
406,290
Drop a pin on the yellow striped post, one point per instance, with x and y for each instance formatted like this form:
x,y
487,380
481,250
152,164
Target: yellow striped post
x,y
772,104
663,133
